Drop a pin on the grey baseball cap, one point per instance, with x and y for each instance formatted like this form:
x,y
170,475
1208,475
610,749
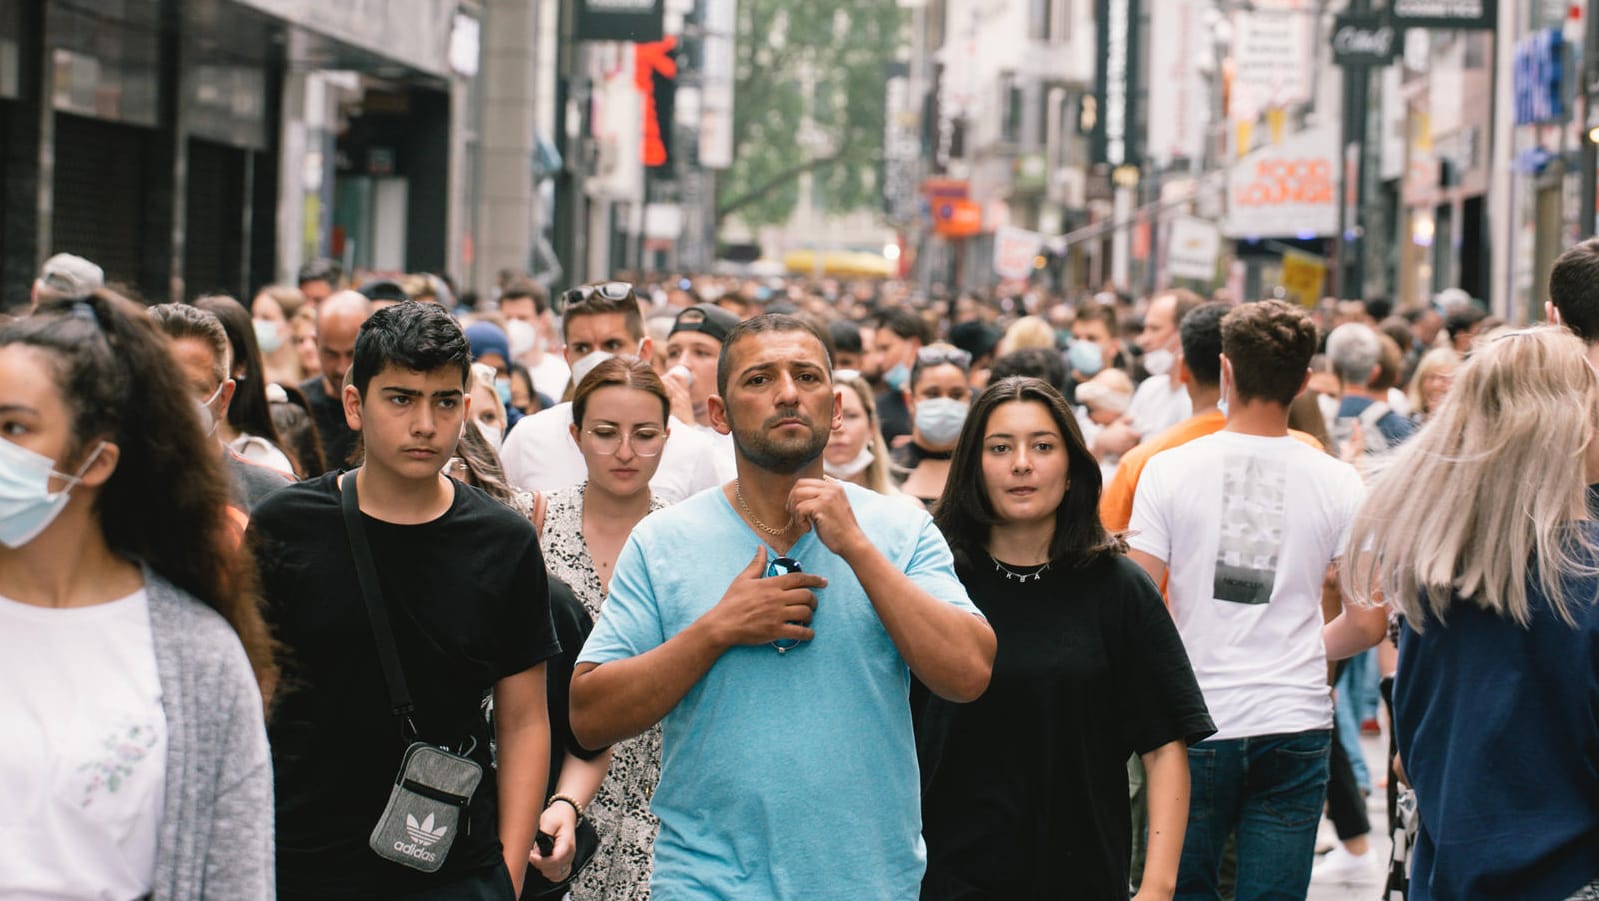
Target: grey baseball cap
x,y
71,276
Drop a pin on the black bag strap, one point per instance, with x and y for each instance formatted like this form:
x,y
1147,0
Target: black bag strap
x,y
367,572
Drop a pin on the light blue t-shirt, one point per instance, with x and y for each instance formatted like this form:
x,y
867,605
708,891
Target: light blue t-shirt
x,y
786,775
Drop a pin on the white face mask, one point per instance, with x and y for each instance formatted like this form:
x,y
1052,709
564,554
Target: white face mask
x,y
1159,362
491,432
852,468
208,420
586,365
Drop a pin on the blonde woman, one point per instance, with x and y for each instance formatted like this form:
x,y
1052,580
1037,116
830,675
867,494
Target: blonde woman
x,y
1430,382
856,449
1478,532
1024,333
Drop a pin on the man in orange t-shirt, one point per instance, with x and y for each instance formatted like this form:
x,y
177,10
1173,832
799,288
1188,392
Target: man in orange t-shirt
x,y
1199,368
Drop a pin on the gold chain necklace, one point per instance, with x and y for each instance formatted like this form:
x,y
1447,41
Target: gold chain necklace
x,y
738,492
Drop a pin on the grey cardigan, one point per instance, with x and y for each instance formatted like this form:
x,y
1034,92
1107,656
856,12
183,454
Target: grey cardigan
x,y
216,826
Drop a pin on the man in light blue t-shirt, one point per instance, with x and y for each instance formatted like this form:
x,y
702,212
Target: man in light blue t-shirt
x,y
788,766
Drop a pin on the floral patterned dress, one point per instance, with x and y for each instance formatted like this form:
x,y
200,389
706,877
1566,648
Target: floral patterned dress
x,y
620,870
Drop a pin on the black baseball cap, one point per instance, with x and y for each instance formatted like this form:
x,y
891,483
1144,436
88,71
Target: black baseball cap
x,y
707,319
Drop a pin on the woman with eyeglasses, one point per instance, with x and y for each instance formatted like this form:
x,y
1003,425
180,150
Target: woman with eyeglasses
x,y
938,396
619,413
1024,791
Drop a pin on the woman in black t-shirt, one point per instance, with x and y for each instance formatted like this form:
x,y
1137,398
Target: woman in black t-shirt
x,y
1025,789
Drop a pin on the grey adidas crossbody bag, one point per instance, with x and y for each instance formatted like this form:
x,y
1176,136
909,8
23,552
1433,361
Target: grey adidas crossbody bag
x,y
428,801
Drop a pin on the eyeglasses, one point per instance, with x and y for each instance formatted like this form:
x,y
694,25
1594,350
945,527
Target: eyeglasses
x,y
782,566
608,290
644,442
940,356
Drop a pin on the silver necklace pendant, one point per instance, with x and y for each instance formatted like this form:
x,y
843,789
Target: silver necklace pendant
x,y
1012,575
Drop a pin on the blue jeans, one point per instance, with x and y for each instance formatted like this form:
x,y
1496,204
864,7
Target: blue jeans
x,y
1267,788
1357,701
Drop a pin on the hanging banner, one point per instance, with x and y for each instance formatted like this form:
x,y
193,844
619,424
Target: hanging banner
x,y
1477,14
1192,249
1286,190
1114,142
1014,251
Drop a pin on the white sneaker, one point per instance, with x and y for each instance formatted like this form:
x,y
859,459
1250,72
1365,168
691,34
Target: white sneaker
x,y
1339,867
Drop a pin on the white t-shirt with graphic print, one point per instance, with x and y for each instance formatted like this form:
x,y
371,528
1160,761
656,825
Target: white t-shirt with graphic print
x,y
1247,525
83,755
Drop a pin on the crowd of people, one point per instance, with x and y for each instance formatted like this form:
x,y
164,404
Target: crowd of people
x,y
709,587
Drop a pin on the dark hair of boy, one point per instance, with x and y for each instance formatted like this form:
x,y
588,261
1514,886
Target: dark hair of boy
x,y
904,323
1574,289
1270,344
1200,333
418,337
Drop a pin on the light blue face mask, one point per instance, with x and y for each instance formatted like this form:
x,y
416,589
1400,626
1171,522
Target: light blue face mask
x,y
502,387
895,378
27,505
1086,358
939,419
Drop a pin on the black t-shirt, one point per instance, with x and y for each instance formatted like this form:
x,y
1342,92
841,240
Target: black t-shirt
x,y
893,416
338,439
468,601
572,627
1024,791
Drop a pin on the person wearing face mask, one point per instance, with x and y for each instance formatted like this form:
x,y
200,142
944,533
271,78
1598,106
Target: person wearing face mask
x,y
602,321
855,450
938,396
1161,401
247,429
273,310
200,347
488,411
135,662
491,348
899,334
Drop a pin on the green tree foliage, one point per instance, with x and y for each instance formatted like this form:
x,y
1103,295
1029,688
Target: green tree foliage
x,y
818,59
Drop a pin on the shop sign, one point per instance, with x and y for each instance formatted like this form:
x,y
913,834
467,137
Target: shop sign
x,y
1453,14
1539,80
1193,247
1288,190
1015,250
1364,40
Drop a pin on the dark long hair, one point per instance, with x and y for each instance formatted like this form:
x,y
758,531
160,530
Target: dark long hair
x,y
166,504
964,513
249,412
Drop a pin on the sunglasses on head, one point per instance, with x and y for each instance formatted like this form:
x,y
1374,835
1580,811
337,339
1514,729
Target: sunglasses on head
x,y
939,356
607,290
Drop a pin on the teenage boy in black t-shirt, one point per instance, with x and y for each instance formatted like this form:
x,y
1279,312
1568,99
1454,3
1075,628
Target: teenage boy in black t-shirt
x,y
464,584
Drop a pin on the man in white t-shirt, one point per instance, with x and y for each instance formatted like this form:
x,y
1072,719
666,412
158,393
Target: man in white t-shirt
x,y
602,321
692,349
1246,522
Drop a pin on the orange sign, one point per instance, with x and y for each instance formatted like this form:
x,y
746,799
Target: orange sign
x,y
957,218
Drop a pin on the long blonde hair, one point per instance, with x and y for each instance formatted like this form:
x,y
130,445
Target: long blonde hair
x,y
1489,485
876,474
